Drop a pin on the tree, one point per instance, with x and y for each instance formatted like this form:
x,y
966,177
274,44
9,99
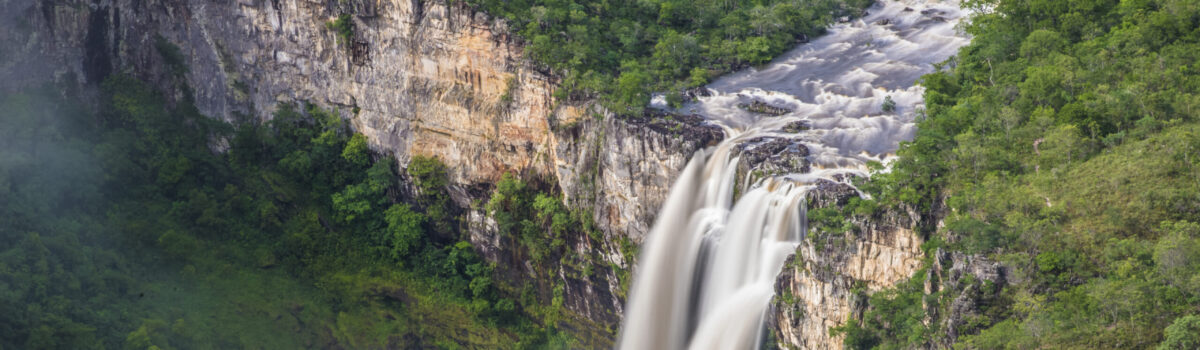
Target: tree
x,y
698,77
755,50
1042,42
1177,255
550,213
403,233
889,105
1183,334
356,151
429,174
674,53
631,92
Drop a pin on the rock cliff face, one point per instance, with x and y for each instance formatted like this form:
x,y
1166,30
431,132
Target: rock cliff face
x,y
964,283
822,285
827,281
427,78
417,77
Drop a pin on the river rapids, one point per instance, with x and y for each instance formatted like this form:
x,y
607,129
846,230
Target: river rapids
x,y
706,274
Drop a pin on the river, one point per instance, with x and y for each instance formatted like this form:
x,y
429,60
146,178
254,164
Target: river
x,y
706,274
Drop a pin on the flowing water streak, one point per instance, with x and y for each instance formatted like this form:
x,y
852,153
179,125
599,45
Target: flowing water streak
x,y
707,269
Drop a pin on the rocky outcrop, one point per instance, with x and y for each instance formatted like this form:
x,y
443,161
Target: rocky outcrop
x,y
797,126
623,167
967,283
822,285
416,77
761,107
769,156
828,280
619,169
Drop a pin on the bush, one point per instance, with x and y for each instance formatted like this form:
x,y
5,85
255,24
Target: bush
x,y
1184,333
889,106
343,26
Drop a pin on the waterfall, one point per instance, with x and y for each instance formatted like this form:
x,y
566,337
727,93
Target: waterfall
x,y
706,274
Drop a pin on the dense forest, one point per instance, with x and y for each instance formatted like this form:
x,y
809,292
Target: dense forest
x,y
1062,142
146,225
130,220
621,51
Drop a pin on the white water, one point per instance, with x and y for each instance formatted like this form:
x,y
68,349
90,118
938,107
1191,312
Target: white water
x,y
707,270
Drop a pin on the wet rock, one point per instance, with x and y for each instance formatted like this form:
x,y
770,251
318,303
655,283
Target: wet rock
x,y
931,12
692,127
771,156
908,9
797,126
695,93
761,107
884,22
802,39
831,194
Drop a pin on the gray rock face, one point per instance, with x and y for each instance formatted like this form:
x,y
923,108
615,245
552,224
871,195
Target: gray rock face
x,y
761,107
970,281
623,168
429,78
828,279
816,289
769,156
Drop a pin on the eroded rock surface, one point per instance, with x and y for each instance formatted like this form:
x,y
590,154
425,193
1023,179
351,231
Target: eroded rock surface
x,y
428,78
816,289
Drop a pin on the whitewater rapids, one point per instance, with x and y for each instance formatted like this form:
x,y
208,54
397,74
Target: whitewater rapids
x,y
705,277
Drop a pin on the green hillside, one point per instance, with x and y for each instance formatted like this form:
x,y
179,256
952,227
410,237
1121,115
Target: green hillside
x,y
1062,142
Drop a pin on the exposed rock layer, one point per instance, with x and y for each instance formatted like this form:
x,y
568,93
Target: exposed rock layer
x,y
817,288
418,77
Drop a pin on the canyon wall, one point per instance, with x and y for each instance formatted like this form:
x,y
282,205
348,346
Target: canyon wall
x,y
829,279
427,78
825,282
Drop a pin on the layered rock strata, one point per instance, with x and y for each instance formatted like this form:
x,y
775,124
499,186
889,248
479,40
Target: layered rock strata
x,y
416,77
822,284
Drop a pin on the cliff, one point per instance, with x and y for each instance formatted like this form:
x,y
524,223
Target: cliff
x,y
428,78
821,285
829,279
416,77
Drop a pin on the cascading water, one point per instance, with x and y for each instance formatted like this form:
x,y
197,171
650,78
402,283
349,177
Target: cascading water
x,y
706,273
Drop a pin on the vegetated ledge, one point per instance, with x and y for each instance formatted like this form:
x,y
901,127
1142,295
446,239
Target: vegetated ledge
x,y
821,285
831,279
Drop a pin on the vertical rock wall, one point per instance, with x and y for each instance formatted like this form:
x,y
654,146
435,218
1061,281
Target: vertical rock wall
x,y
819,286
432,78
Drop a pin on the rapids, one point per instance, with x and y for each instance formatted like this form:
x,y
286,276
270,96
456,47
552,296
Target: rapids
x,y
706,274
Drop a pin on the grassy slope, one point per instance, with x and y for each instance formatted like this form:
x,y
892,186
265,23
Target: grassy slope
x,y
1062,142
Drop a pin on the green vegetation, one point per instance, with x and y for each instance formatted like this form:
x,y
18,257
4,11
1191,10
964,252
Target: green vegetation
x,y
535,220
173,57
343,26
1183,334
621,51
888,104
127,228
1062,143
